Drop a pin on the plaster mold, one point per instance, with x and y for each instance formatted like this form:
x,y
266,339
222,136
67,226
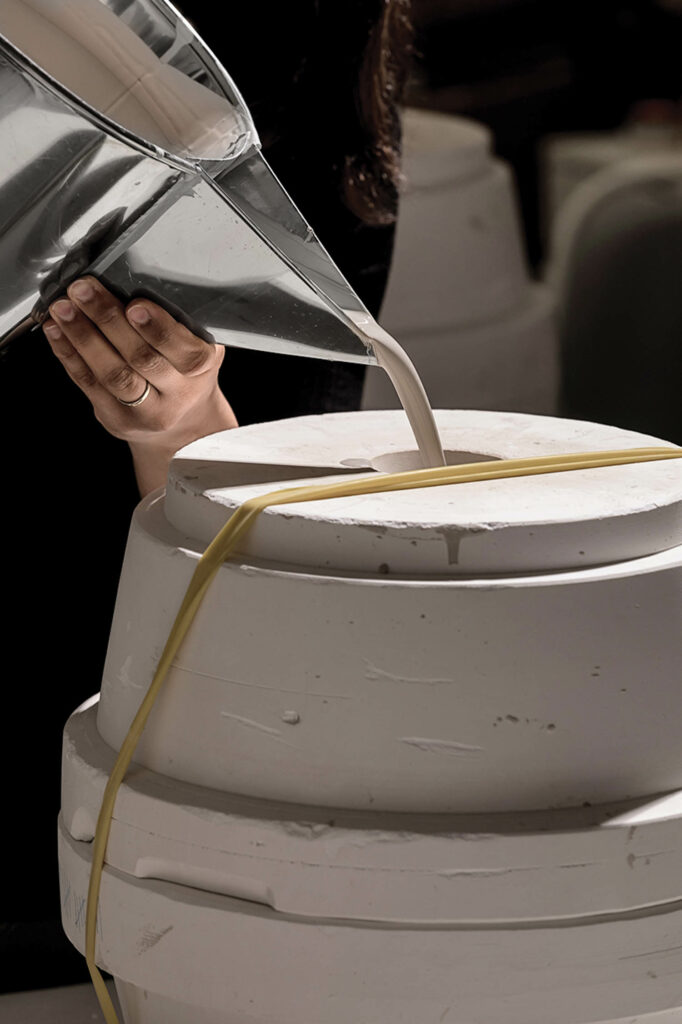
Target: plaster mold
x,y
418,757
454,869
455,688
180,954
459,296
458,240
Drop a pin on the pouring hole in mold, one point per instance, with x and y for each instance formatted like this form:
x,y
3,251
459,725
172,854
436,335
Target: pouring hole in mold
x,y
403,462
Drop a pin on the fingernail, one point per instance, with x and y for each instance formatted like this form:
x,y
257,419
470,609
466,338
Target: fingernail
x,y
139,315
52,331
82,290
64,310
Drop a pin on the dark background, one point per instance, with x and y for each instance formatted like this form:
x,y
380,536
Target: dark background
x,y
530,68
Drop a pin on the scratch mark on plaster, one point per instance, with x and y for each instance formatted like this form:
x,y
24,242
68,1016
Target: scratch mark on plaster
x,y
124,675
266,730
652,952
260,686
251,724
79,904
150,938
482,872
647,857
372,672
441,746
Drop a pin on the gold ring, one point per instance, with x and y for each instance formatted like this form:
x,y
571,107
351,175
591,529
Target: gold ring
x,y
137,401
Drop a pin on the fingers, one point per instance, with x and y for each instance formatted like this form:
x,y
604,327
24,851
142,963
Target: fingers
x,y
76,367
116,354
120,355
149,340
122,360
109,368
184,351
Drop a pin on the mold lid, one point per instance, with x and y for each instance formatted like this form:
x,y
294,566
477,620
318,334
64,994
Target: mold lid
x,y
534,524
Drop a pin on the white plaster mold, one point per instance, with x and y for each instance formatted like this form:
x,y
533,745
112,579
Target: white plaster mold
x,y
456,869
448,691
180,954
532,524
459,296
418,757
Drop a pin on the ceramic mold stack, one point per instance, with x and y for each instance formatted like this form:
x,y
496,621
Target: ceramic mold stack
x,y
459,297
418,759
570,159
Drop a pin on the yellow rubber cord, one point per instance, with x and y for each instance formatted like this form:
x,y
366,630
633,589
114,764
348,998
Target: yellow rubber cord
x,y
226,541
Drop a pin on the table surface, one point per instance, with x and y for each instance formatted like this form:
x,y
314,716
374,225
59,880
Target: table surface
x,y
73,1004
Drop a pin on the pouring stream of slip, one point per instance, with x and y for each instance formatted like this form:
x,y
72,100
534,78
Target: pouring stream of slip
x,y
392,358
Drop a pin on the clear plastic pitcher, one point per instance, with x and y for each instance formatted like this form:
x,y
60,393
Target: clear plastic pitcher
x,y
126,151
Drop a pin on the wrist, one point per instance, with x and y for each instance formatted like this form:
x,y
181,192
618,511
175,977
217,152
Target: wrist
x,y
152,454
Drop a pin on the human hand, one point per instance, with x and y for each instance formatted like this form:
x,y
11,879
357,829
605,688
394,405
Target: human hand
x,y
151,381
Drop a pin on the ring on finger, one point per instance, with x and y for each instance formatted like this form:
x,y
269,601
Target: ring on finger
x,y
137,401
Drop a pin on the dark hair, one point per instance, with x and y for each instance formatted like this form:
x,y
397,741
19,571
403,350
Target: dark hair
x,y
326,75
354,58
372,172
